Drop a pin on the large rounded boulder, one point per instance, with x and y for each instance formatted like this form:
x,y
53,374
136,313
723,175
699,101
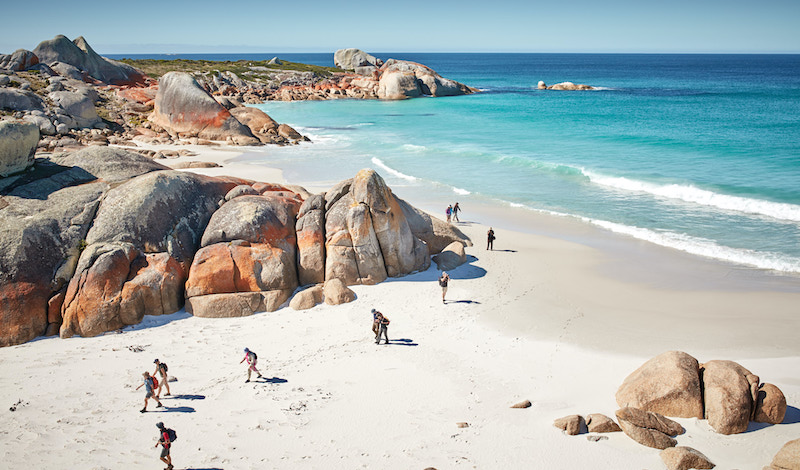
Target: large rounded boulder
x,y
80,55
668,384
729,391
184,107
18,142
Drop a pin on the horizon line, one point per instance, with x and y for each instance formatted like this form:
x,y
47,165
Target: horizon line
x,y
471,52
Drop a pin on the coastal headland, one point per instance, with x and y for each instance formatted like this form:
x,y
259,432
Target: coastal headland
x,y
117,230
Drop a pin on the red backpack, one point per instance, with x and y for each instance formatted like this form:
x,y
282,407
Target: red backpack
x,y
153,381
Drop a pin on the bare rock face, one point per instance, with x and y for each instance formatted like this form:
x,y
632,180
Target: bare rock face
x,y
451,257
116,286
349,59
18,142
668,384
436,233
684,458
256,219
307,298
728,396
184,107
569,86
403,253
79,54
79,106
337,293
261,125
12,99
572,425
19,60
239,304
241,190
310,230
648,428
402,79
770,405
45,215
597,422
788,458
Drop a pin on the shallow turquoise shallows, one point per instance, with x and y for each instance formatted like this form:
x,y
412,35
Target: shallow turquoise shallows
x,y
696,152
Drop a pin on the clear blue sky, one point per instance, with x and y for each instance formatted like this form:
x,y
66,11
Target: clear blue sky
x,y
409,26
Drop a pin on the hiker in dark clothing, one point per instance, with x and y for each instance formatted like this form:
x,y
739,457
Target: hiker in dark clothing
x,y
166,443
456,209
490,239
383,323
149,386
161,369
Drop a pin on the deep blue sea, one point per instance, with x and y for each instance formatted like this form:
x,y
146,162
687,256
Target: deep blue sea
x,y
700,153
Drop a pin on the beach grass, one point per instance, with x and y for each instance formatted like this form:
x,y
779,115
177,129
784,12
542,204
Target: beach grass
x,y
249,69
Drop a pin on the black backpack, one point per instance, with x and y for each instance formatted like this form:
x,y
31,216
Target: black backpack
x,y
164,366
255,357
172,435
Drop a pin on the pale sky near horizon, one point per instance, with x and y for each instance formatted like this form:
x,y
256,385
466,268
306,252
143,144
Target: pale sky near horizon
x,y
146,26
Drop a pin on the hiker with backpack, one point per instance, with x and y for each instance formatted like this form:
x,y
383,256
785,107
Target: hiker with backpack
x,y
161,368
383,324
166,437
443,280
150,383
251,359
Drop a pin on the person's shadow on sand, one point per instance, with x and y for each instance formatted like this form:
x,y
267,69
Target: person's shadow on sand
x,y
403,342
187,397
462,302
177,409
273,380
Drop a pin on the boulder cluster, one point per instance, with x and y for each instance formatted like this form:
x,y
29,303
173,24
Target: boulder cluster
x,y
372,78
564,86
676,384
93,240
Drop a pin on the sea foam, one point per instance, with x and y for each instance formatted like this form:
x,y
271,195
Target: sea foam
x,y
692,194
392,171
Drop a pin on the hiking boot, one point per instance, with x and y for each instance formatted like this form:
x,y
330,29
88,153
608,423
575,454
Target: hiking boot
x,y
159,405
168,394
260,376
142,410
247,381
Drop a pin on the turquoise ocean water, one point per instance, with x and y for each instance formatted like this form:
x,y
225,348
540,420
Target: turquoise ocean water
x,y
700,153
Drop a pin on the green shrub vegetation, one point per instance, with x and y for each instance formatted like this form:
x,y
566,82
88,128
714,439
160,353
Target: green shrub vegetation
x,y
246,69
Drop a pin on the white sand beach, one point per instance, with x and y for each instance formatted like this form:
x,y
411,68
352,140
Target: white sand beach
x,y
558,314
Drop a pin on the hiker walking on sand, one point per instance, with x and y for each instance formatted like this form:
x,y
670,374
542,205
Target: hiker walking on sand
x,y
150,383
251,359
161,369
165,438
375,323
490,239
383,324
443,280
448,212
455,212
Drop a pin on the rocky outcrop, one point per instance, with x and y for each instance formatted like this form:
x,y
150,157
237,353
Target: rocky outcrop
x,y
351,59
43,225
668,384
648,428
565,86
80,55
19,60
186,109
684,458
12,99
400,79
79,105
18,142
788,458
